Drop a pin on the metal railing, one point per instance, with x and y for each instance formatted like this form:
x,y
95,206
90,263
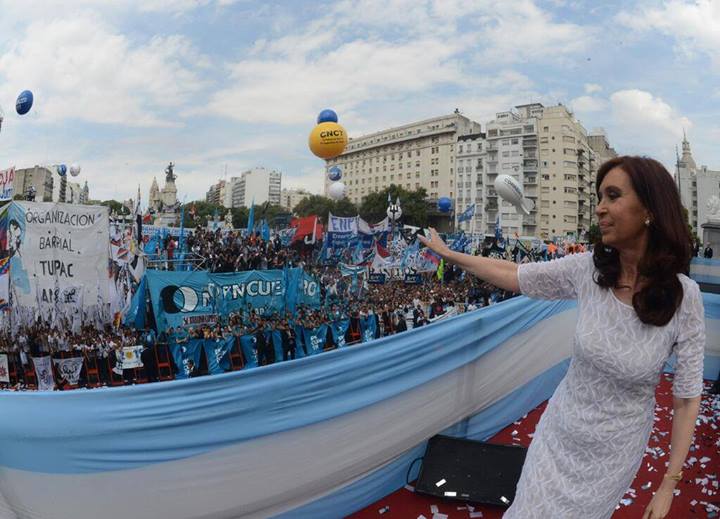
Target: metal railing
x,y
188,261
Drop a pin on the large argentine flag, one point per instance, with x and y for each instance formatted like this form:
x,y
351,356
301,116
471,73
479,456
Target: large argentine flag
x,y
317,437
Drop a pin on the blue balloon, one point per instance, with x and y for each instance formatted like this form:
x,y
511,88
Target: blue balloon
x,y
334,173
62,169
444,204
327,116
24,102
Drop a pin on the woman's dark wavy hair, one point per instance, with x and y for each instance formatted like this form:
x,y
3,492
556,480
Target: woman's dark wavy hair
x,y
669,248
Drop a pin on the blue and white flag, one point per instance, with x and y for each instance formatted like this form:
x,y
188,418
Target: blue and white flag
x,y
467,214
217,353
249,350
339,329
315,339
368,326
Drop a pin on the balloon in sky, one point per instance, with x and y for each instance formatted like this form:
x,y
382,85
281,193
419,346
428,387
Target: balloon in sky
x,y
75,169
327,116
327,140
24,102
336,191
510,190
444,204
61,170
334,173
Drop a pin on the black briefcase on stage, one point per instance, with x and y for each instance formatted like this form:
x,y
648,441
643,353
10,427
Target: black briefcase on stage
x,y
469,470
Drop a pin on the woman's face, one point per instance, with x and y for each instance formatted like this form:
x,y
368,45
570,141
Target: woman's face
x,y
621,214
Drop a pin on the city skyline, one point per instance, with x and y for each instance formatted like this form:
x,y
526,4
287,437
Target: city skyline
x,y
213,85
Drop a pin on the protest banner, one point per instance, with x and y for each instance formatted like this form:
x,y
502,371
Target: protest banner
x,y
58,253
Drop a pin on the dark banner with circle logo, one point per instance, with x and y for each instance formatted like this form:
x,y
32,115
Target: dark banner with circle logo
x,y
187,298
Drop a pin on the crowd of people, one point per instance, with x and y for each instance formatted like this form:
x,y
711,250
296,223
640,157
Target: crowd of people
x,y
367,310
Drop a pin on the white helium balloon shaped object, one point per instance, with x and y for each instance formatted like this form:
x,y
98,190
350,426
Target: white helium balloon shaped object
x,y
75,170
336,190
510,190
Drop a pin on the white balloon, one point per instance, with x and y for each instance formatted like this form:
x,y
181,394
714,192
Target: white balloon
x,y
510,190
75,169
336,191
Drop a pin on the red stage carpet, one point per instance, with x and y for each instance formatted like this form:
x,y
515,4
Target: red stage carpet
x,y
697,496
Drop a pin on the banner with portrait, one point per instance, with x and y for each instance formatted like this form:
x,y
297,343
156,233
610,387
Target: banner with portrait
x,y
58,253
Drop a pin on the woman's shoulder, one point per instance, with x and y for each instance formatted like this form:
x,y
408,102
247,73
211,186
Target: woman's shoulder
x,y
689,285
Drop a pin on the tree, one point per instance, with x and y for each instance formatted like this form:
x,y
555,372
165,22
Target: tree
x,y
204,212
594,233
321,206
414,206
115,206
694,238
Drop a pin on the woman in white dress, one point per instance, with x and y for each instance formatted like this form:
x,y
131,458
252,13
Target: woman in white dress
x,y
636,307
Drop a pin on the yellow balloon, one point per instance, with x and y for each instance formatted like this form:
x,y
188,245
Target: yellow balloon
x,y
328,140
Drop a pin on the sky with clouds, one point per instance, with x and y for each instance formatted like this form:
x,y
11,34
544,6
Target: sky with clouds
x,y
217,86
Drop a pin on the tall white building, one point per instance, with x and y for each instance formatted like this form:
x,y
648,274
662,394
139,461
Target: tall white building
x,y
259,185
415,155
471,179
512,140
567,175
696,185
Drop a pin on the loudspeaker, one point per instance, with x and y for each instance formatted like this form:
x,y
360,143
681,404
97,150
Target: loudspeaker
x,y
469,470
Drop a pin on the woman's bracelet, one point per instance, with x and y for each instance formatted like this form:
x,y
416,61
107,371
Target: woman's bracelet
x,y
674,477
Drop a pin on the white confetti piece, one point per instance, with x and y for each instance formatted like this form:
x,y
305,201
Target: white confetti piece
x,y
473,515
433,509
440,483
450,493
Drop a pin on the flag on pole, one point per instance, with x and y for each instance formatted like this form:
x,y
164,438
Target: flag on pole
x,y
498,228
251,217
467,214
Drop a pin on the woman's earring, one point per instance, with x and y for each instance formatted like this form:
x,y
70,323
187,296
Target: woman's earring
x,y
647,222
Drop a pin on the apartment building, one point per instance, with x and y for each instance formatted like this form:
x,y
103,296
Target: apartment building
x,y
415,155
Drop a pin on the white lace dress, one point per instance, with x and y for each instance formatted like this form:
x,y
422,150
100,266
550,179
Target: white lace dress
x,y
591,438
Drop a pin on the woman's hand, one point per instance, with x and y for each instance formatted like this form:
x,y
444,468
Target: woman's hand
x,y
659,505
435,243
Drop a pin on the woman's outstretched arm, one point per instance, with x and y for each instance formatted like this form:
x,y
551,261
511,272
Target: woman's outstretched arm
x,y
501,273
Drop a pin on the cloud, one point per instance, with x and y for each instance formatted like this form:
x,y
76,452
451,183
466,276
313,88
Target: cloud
x,y
309,179
643,111
80,68
643,123
695,26
374,51
591,88
588,104
293,89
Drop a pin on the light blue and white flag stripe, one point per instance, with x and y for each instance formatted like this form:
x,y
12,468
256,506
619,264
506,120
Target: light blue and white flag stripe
x,y
321,434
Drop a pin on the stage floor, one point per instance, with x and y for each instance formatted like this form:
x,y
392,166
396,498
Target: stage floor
x,y
697,496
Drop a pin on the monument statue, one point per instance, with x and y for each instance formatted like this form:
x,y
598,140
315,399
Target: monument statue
x,y
713,205
228,220
164,201
169,174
